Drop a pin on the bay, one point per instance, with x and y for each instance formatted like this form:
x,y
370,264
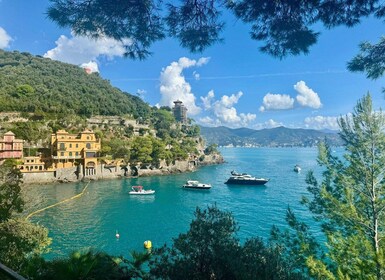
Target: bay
x,y
92,220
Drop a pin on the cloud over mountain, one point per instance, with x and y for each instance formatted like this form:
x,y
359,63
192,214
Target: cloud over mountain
x,y
321,122
224,112
276,102
78,49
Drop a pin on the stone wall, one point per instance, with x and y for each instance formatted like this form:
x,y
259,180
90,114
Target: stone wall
x,y
39,177
103,171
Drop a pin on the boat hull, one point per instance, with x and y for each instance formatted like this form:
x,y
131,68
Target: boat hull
x,y
197,188
141,193
258,182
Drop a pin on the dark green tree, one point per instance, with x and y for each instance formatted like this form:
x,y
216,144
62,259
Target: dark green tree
x,y
11,202
287,27
204,252
371,60
349,203
19,238
141,149
211,250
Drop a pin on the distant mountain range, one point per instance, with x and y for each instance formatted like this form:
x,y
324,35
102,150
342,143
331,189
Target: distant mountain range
x,y
274,137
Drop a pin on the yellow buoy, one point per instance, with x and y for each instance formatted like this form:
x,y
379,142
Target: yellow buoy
x,y
147,244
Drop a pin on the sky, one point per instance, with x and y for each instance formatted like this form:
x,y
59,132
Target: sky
x,y
231,84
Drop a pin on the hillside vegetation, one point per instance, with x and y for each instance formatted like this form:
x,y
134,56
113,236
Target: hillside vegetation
x,y
275,137
36,84
39,96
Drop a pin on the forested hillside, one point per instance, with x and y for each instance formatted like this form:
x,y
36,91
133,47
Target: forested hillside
x,y
37,84
39,96
275,137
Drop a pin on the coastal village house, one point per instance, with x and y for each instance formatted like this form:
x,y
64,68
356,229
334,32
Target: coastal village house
x,y
10,147
34,164
180,112
70,150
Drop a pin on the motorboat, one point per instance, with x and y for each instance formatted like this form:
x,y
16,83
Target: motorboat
x,y
191,184
297,168
138,190
245,179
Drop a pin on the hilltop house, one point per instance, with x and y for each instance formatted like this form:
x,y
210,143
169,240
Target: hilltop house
x,y
10,147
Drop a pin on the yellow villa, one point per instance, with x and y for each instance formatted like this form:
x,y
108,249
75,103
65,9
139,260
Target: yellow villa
x,y
33,164
69,150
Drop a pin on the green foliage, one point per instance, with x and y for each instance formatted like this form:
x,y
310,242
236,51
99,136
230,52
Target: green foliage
x,y
30,131
10,192
210,250
118,148
19,238
285,27
349,204
159,152
31,84
82,265
211,149
163,120
141,149
204,252
256,260
87,265
192,131
371,60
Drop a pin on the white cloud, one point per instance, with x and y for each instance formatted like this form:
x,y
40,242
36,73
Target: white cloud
x,y
207,121
306,96
203,61
207,100
276,102
224,112
5,39
173,85
90,67
196,75
268,124
321,122
80,49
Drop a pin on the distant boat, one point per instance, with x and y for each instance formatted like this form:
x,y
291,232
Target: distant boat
x,y
245,179
138,190
297,168
190,184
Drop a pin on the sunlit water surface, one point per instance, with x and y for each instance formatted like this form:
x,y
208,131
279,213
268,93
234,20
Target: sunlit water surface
x,y
106,207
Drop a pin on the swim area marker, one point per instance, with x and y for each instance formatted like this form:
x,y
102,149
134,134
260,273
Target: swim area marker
x,y
58,203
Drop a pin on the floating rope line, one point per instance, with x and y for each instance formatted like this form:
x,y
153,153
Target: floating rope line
x,y
58,203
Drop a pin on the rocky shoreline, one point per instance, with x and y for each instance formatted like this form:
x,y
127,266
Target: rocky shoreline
x,y
104,171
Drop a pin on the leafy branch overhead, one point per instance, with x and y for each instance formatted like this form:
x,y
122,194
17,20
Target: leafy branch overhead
x,y
285,27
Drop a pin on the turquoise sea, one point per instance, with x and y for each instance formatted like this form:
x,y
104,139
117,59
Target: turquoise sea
x,y
106,207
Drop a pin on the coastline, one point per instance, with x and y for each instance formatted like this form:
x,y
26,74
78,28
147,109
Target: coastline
x,y
106,172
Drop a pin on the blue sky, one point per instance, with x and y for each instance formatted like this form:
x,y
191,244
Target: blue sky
x,y
231,84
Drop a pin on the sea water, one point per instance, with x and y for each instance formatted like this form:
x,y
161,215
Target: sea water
x,y
106,208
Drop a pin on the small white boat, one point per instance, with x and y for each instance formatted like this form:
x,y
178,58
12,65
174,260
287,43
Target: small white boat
x,y
297,168
138,190
191,184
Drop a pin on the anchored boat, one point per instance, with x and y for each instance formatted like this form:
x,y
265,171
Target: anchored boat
x,y
138,190
245,179
191,184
